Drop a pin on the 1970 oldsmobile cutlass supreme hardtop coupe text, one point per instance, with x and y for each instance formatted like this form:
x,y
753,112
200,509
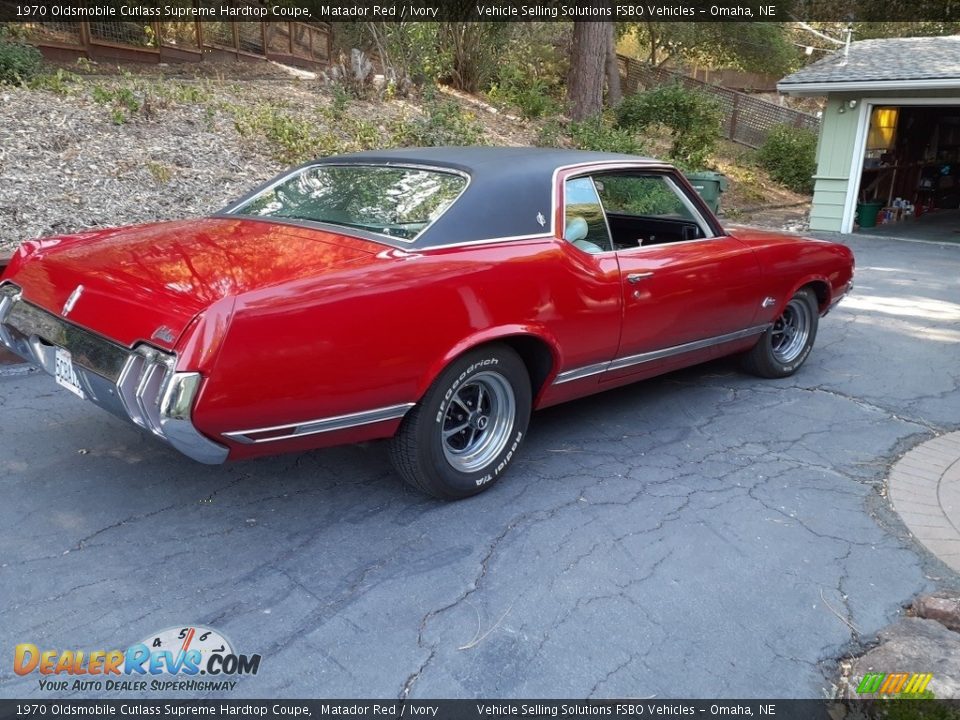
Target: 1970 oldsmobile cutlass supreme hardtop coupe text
x,y
432,296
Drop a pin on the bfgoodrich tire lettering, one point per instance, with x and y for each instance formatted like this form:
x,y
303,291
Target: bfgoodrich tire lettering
x,y
783,348
465,431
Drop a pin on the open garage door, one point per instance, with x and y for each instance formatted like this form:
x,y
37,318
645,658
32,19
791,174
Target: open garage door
x,y
909,173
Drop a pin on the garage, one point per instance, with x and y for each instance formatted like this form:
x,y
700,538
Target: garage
x,y
888,160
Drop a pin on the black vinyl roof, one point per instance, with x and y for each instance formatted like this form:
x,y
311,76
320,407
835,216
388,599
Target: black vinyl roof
x,y
509,187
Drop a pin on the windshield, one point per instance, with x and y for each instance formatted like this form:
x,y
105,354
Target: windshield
x,y
399,202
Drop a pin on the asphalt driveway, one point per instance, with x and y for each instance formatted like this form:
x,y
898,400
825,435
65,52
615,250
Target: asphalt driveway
x,y
703,534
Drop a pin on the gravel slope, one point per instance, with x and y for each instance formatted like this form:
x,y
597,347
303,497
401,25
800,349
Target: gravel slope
x,y
66,166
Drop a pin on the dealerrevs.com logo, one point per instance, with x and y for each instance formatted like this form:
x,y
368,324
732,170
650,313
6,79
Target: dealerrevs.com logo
x,y
173,659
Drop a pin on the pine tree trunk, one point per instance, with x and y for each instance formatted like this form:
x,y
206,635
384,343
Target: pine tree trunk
x,y
614,93
585,89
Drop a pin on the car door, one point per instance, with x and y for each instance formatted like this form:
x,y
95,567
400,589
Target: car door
x,y
686,287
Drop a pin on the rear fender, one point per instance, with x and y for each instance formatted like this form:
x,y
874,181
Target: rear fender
x,y
202,339
492,335
20,256
824,304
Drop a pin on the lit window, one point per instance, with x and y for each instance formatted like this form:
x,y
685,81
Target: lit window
x,y
883,128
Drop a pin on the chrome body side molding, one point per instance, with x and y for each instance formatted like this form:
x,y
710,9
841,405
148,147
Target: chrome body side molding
x,y
320,425
641,358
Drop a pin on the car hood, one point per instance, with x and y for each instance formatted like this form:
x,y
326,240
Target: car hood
x,y
147,282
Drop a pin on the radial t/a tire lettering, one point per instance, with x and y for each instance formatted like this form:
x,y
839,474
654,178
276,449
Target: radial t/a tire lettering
x,y
468,427
785,346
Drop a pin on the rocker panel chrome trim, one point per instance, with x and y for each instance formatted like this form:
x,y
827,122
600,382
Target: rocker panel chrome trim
x,y
641,358
321,425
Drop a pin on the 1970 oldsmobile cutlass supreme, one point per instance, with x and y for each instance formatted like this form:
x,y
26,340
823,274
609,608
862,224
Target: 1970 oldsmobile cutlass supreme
x,y
432,296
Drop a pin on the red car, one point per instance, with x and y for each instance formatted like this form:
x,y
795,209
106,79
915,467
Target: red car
x,y
432,296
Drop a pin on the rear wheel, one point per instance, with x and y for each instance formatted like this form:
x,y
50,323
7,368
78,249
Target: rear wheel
x,y
785,346
463,434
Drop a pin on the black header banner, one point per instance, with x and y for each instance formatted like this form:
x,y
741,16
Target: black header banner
x,y
481,709
481,10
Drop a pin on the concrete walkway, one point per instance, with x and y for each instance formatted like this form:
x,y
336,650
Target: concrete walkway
x,y
924,487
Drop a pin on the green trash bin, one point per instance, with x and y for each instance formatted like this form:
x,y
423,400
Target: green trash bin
x,y
867,213
710,186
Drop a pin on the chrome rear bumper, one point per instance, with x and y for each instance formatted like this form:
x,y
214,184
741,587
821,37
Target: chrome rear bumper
x,y
139,385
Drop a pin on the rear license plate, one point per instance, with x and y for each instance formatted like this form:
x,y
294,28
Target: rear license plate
x,y
65,375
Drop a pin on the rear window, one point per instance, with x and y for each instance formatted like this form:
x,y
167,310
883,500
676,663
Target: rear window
x,y
397,202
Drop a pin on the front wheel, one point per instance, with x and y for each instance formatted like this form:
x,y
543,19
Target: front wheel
x,y
784,347
462,435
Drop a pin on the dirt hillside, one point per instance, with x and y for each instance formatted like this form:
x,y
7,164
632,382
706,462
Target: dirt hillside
x,y
98,146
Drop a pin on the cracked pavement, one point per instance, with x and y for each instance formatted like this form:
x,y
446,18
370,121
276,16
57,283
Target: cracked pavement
x,y
704,534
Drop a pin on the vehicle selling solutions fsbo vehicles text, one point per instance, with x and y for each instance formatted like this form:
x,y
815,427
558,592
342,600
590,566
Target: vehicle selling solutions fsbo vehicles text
x,y
490,12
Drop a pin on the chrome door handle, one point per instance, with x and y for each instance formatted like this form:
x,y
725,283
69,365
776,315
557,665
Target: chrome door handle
x,y
634,278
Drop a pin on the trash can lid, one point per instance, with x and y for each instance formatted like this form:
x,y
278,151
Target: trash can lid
x,y
711,175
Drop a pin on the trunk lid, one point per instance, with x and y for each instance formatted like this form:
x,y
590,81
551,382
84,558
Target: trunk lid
x,y
148,282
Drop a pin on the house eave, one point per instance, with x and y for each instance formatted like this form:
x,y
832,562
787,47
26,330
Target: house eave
x,y
866,86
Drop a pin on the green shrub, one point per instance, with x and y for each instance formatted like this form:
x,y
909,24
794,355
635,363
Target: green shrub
x,y
789,154
531,98
60,82
101,95
411,53
444,123
291,139
599,134
122,102
472,52
122,97
341,99
551,134
530,69
364,135
127,98
693,119
180,92
18,61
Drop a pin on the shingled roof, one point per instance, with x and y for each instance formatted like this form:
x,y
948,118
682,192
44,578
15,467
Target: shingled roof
x,y
885,64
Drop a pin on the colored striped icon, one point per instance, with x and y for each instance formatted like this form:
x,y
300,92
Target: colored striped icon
x,y
894,683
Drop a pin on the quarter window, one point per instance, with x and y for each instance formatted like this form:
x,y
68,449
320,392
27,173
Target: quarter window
x,y
585,225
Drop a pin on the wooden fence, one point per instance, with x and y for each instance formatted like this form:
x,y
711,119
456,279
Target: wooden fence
x,y
293,43
750,82
747,120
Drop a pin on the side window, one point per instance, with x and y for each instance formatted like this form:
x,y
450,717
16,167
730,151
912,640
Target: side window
x,y
634,195
585,226
645,210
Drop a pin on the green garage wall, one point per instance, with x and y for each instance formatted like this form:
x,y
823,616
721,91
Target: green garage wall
x,y
834,155
835,151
